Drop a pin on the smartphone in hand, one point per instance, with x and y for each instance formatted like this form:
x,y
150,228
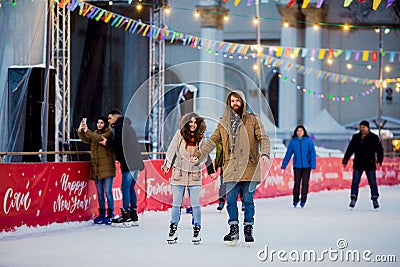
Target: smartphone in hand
x,y
84,120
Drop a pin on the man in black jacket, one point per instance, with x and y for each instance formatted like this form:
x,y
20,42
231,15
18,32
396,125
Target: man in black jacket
x,y
368,152
127,152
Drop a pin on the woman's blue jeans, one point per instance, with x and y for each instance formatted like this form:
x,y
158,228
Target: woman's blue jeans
x,y
129,197
105,186
178,191
232,192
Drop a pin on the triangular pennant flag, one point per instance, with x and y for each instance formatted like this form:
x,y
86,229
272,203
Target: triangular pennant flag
x,y
249,2
319,3
389,3
337,52
348,55
376,4
291,3
279,51
237,2
305,3
365,55
321,54
347,3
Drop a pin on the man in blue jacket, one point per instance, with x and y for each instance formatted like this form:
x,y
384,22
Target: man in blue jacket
x,y
368,152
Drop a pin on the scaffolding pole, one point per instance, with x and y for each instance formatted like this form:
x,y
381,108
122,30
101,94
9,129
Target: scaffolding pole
x,y
61,62
156,80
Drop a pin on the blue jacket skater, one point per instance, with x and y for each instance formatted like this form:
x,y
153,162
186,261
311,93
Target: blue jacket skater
x,y
304,153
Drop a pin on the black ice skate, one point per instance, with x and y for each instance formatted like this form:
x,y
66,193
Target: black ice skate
x,y
173,235
353,201
124,220
134,217
221,205
196,235
375,204
248,234
232,237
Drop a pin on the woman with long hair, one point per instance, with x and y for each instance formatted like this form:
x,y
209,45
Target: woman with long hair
x,y
185,174
304,159
102,166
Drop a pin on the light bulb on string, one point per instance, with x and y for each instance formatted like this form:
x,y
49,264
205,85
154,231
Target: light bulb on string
x,y
167,10
110,3
14,3
226,17
329,61
286,24
196,14
346,27
316,26
139,6
256,20
349,66
369,66
388,68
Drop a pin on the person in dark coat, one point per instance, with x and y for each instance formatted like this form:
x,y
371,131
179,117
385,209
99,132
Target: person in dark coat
x,y
304,159
368,152
102,166
128,153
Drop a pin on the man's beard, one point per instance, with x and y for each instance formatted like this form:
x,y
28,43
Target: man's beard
x,y
238,109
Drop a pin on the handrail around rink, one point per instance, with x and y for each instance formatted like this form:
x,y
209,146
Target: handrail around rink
x,y
4,154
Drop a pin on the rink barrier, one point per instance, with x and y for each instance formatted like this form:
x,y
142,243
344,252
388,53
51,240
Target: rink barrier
x,y
35,194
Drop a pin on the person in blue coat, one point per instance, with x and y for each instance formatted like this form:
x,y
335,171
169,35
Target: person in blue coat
x,y
304,159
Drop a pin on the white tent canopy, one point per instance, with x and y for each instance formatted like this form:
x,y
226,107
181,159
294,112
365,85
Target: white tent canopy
x,y
325,127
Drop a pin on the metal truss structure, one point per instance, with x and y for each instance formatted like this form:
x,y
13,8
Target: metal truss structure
x,y
156,80
60,60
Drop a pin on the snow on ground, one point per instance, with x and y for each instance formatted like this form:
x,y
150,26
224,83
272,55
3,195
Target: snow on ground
x,y
279,227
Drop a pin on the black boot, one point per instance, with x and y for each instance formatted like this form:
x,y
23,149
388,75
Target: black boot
x,y
100,219
134,217
233,234
248,233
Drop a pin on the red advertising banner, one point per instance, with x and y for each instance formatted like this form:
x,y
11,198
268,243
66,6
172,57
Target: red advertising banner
x,y
42,193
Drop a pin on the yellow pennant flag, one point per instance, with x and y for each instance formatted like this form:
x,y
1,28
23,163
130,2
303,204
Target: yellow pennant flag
x,y
279,51
376,4
237,2
347,3
365,55
305,3
321,53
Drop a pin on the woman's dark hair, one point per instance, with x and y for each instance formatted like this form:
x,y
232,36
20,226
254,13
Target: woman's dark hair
x,y
198,133
295,131
106,124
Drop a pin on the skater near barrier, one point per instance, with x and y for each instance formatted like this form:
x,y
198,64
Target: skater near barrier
x,y
304,159
102,166
242,135
368,153
131,164
184,144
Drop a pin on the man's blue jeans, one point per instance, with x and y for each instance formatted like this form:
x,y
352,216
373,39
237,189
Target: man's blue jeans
x,y
232,192
178,191
105,186
371,175
129,197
